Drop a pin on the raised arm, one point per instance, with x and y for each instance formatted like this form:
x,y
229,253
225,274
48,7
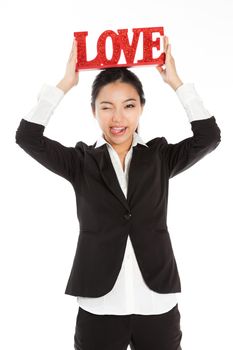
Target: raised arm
x,y
206,133
62,160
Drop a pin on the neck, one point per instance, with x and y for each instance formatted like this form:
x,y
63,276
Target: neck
x,y
121,148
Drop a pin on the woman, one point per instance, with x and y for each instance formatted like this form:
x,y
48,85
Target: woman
x,y
124,273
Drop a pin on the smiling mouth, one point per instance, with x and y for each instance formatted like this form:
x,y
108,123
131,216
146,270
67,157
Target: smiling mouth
x,y
118,130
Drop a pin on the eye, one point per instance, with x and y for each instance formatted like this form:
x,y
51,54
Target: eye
x,y
105,108
130,105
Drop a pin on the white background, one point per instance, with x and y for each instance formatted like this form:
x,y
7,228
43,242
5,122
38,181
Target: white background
x,y
39,226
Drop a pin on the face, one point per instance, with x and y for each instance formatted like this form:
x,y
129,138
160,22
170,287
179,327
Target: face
x,y
118,106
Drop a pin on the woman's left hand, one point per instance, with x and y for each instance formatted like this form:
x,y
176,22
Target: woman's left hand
x,y
169,73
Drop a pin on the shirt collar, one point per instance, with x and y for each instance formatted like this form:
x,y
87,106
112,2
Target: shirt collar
x,y
136,139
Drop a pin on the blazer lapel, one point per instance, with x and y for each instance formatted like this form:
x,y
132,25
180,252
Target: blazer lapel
x,y
138,165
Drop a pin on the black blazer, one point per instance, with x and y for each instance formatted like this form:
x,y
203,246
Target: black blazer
x,y
106,217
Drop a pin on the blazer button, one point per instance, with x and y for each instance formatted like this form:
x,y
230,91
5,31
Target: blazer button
x,y
127,216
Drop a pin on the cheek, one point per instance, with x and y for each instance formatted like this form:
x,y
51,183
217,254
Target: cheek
x,y
133,115
103,117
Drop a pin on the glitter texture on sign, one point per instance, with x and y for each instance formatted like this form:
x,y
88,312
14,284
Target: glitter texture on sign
x,y
120,43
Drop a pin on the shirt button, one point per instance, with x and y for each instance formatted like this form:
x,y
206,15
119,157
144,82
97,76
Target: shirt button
x,y
127,216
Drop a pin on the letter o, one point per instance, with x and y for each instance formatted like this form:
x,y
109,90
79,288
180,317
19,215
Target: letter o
x,y
101,48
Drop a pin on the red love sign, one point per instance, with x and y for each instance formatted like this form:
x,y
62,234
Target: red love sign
x,y
120,43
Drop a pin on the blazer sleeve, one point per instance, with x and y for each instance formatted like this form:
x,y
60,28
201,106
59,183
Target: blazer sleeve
x,y
182,155
56,157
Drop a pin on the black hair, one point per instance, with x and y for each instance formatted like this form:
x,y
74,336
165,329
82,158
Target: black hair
x,y
110,75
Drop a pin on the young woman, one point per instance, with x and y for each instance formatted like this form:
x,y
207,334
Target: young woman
x,y
124,273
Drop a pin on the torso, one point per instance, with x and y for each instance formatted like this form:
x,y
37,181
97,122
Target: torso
x,y
122,155
122,159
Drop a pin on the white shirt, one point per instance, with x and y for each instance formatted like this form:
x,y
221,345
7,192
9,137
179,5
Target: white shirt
x,y
130,294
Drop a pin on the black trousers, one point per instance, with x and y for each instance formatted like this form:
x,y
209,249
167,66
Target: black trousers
x,y
117,332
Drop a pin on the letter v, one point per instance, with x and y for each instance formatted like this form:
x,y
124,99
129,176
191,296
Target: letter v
x,y
129,50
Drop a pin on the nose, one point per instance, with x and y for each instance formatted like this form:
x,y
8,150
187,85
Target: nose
x,y
117,115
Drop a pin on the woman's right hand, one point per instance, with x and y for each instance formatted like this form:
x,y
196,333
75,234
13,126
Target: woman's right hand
x,y
71,77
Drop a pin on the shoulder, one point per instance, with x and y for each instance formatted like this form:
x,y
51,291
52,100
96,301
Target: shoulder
x,y
83,147
156,142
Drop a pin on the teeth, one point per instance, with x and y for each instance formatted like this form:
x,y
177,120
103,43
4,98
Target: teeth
x,y
117,128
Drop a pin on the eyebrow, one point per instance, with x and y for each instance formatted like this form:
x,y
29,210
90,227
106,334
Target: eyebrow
x,y
129,99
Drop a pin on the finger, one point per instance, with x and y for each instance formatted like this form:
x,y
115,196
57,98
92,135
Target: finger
x,y
168,54
73,45
159,69
165,43
73,50
169,49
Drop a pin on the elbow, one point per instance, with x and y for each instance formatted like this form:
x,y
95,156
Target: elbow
x,y
23,135
20,136
212,133
28,132
216,137
207,132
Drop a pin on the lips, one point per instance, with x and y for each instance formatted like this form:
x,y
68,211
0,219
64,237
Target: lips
x,y
118,130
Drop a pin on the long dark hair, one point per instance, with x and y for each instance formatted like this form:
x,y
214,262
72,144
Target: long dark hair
x,y
110,75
